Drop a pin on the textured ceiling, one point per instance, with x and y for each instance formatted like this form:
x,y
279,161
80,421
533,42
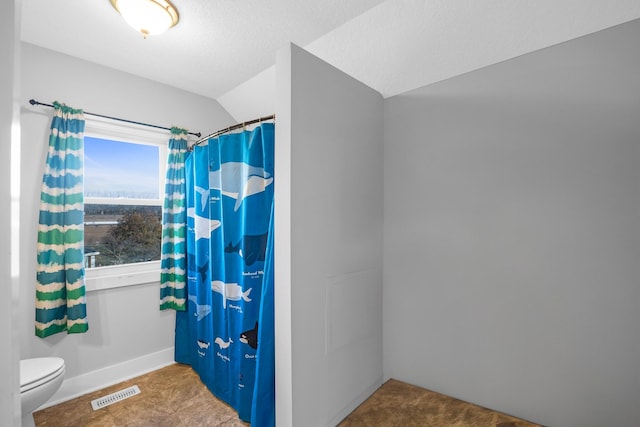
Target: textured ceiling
x,y
216,45
392,46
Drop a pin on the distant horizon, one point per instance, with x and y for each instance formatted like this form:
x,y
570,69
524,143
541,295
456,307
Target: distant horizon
x,y
114,169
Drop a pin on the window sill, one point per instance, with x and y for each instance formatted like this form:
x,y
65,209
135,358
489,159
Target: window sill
x,y
101,278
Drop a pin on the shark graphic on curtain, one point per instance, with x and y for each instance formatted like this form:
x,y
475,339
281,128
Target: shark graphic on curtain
x,y
229,200
60,288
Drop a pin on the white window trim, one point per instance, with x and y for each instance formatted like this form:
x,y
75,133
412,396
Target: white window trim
x,y
117,276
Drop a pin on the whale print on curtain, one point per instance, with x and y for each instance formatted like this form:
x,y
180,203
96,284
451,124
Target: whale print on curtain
x,y
60,288
229,203
174,219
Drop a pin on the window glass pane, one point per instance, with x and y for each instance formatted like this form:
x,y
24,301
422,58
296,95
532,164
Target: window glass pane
x,y
121,234
115,169
122,211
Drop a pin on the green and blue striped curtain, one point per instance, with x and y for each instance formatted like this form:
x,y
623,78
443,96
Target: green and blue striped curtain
x,y
174,223
60,289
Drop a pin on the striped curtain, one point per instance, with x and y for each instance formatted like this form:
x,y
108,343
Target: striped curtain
x,y
174,223
60,290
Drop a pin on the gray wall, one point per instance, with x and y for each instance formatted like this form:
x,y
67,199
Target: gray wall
x,y
329,208
9,124
124,323
512,234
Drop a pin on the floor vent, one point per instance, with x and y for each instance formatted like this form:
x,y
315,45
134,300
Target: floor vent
x,y
114,397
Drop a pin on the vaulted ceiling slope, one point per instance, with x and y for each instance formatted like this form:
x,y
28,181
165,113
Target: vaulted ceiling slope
x,y
393,45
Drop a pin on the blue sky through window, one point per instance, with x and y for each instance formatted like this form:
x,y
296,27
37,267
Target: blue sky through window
x,y
114,169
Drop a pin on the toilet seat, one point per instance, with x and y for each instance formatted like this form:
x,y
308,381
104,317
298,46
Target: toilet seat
x,y
38,371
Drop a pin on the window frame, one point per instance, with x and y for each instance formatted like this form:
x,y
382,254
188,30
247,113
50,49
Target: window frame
x,y
116,276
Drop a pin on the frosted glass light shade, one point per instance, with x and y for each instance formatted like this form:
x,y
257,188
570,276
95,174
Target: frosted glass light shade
x,y
149,17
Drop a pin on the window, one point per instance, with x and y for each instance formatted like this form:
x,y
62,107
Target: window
x,y
122,202
124,168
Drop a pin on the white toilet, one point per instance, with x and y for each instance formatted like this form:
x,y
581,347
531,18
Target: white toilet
x,y
40,378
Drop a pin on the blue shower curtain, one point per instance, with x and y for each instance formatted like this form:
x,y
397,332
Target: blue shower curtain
x,y
228,323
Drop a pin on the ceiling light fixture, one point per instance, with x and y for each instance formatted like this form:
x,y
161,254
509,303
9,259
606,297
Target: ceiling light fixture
x,y
149,17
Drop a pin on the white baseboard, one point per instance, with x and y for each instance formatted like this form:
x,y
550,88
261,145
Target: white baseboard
x,y
110,375
355,403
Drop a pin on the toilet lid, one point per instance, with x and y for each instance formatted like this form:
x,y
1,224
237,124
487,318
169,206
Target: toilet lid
x,y
39,370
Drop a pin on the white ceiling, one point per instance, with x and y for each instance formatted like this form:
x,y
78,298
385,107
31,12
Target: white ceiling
x,y
392,46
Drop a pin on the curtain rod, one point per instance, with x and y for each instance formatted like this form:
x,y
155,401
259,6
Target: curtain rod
x,y
34,102
234,127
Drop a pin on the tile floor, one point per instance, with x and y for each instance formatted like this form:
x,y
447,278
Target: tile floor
x,y
175,397
398,404
172,396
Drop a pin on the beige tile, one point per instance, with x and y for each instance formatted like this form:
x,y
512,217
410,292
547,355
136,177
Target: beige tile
x,y
175,397
400,404
172,396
